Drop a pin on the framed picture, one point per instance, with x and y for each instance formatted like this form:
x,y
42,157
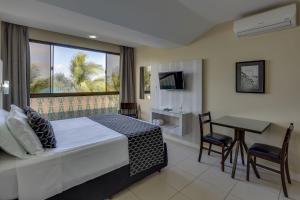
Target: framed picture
x,y
250,77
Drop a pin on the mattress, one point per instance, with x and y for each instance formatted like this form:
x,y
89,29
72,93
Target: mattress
x,y
85,150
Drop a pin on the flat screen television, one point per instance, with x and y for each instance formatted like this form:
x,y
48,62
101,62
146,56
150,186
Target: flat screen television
x,y
171,80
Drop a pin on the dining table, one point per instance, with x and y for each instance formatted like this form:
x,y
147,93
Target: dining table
x,y
241,126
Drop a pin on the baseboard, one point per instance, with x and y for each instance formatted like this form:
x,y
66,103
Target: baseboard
x,y
180,141
294,176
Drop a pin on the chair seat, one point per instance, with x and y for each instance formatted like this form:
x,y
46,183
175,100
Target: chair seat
x,y
218,138
265,151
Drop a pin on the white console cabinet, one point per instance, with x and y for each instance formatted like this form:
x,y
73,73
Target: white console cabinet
x,y
178,123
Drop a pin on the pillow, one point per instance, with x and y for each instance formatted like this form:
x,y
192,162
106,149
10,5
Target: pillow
x,y
7,142
3,113
16,108
23,133
43,129
28,109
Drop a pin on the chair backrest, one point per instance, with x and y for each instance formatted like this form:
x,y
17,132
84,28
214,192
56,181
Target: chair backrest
x,y
128,108
285,145
204,118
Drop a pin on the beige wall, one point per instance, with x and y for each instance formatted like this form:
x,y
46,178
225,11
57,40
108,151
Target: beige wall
x,y
221,49
0,57
49,36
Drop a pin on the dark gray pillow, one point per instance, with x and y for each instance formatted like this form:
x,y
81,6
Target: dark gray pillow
x,y
43,129
28,109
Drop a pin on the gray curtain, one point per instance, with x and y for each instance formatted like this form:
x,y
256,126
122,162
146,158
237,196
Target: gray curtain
x,y
16,64
127,75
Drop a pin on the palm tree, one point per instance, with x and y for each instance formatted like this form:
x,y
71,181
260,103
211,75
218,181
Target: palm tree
x,y
82,72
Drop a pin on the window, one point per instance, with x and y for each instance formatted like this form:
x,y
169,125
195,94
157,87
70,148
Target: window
x,y
58,69
40,68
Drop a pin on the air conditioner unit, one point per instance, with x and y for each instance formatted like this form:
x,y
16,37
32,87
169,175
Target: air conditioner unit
x,y
273,20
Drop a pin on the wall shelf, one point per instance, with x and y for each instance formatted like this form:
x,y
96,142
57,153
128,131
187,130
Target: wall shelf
x,y
178,123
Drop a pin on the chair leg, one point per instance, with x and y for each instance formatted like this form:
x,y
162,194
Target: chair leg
x,y
253,163
248,166
209,149
287,171
223,159
200,153
230,156
283,179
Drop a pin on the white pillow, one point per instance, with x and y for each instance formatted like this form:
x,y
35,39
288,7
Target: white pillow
x,y
7,142
16,108
20,129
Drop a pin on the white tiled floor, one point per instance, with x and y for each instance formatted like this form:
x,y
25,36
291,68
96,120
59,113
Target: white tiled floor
x,y
187,179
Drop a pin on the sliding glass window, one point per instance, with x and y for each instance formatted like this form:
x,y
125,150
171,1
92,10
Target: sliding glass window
x,y
40,56
59,69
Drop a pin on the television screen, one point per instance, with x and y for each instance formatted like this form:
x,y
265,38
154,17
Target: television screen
x,y
171,80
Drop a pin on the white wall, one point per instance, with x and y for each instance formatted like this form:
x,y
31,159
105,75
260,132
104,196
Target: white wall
x,y
187,100
221,49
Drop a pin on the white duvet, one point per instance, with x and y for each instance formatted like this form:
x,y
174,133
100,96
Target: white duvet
x,y
85,150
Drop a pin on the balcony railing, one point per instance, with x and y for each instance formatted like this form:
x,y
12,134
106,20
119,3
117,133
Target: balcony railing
x,y
55,108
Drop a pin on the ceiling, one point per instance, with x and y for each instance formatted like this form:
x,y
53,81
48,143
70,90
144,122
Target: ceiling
x,y
156,23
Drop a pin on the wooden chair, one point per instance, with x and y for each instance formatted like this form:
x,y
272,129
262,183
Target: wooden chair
x,y
273,154
212,138
129,109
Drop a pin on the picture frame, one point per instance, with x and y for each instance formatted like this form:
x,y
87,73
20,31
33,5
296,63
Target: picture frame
x,y
250,77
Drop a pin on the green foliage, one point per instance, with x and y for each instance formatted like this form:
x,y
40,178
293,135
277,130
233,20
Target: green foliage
x,y
34,72
82,71
97,85
114,83
38,84
62,83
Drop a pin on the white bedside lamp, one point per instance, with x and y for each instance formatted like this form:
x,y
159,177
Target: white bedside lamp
x,y
4,85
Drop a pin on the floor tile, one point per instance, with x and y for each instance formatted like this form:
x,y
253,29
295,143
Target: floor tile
x,y
153,188
250,191
176,177
179,196
219,179
231,197
192,166
187,179
203,190
125,195
177,155
293,191
213,159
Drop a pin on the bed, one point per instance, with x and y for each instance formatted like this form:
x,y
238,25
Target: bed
x,y
95,158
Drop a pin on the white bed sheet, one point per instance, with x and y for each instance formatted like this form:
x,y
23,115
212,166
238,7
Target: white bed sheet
x,y
85,150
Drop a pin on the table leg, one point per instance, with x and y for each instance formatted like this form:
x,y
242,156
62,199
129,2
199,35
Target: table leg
x,y
242,153
240,138
235,158
231,146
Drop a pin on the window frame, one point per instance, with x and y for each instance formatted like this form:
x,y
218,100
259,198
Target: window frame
x,y
51,94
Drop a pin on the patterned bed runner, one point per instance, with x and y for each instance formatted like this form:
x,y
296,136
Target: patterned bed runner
x,y
145,141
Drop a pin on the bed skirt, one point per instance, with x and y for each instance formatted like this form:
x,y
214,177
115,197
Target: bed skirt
x,y
107,185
